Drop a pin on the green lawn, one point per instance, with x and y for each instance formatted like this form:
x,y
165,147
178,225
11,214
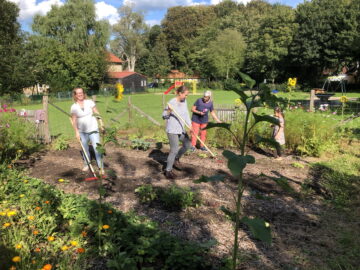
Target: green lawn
x,y
150,103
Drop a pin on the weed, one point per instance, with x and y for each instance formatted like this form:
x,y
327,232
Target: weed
x,y
146,193
60,143
140,144
298,165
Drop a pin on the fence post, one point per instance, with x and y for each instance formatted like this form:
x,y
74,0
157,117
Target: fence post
x,y
47,137
312,100
163,100
129,108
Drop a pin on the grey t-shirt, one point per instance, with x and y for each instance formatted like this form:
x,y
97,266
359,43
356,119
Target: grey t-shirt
x,y
175,125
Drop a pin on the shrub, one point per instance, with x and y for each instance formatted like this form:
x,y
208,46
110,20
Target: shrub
x,y
146,193
177,198
60,143
17,136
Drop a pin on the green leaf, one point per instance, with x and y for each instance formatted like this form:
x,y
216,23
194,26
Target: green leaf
x,y
207,179
100,149
247,80
242,95
259,228
237,163
220,125
268,141
266,118
230,214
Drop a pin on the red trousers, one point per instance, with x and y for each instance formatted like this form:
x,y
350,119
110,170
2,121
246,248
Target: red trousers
x,y
196,127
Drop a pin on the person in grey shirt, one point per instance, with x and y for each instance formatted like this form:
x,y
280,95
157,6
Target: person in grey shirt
x,y
175,129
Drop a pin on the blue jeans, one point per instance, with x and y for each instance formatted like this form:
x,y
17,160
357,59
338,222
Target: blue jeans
x,y
95,139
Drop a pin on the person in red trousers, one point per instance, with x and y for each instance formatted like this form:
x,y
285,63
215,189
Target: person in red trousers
x,y
200,118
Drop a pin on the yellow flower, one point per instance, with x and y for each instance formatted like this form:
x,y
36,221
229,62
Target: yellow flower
x,y
18,246
237,102
16,259
35,232
61,180
11,213
26,181
51,238
31,217
7,224
22,195
2,214
105,227
19,151
267,224
64,248
74,243
344,99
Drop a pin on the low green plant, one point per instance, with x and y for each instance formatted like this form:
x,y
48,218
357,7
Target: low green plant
x,y
17,136
140,144
298,165
60,143
146,193
172,198
178,198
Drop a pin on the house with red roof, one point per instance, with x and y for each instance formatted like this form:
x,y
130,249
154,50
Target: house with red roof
x,y
132,81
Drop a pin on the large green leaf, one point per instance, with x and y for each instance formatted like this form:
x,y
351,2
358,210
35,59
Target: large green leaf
x,y
207,179
247,80
242,95
259,228
237,163
266,118
220,125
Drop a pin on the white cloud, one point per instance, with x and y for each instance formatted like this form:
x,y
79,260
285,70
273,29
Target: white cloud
x,y
106,11
215,2
160,4
28,8
152,22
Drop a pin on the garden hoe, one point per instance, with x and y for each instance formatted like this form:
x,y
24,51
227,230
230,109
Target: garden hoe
x,y
87,159
197,137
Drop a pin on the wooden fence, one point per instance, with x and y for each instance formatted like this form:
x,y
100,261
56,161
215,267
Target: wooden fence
x,y
227,112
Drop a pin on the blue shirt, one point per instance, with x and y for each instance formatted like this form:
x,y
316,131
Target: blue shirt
x,y
204,107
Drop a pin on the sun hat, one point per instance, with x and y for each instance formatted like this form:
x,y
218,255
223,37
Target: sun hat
x,y
207,93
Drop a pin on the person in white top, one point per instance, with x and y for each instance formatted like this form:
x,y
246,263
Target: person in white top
x,y
85,124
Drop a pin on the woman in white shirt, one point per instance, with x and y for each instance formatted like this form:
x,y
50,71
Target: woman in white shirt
x,y
85,124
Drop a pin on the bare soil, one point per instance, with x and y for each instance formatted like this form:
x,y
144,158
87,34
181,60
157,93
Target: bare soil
x,y
299,240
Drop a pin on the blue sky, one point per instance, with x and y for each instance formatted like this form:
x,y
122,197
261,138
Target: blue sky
x,y
107,9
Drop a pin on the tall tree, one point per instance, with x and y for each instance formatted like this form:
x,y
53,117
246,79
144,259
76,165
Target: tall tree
x,y
326,30
130,36
69,45
181,26
11,71
227,53
159,61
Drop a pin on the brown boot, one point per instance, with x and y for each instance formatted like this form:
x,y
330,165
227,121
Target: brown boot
x,y
178,165
170,175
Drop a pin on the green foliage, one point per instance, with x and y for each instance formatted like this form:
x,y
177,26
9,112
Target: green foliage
x,y
259,228
146,193
130,242
298,165
140,144
172,198
130,35
177,198
68,47
18,137
60,143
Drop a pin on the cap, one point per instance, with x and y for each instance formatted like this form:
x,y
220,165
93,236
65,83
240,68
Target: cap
x,y
207,93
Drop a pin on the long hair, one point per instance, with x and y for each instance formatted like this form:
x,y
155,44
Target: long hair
x,y
74,93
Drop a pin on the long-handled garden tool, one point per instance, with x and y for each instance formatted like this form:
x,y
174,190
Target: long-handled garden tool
x,y
87,159
197,137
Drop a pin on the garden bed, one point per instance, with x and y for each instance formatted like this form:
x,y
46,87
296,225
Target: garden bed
x,y
276,194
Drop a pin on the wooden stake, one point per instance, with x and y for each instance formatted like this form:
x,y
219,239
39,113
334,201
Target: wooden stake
x,y
47,137
312,100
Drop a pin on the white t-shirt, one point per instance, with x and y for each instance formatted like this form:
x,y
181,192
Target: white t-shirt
x,y
86,122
